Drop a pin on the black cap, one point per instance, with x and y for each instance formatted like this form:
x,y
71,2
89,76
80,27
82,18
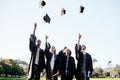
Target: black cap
x,y
42,3
82,9
63,11
46,18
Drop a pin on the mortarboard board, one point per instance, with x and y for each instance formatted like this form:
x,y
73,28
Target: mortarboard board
x,y
42,3
63,11
82,9
46,18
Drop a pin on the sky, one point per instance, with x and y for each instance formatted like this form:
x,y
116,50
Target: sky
x,y
99,25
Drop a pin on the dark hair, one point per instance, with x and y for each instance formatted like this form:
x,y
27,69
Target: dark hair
x,y
70,52
84,47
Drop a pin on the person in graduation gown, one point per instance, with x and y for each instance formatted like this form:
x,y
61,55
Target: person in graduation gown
x,y
60,57
37,60
68,69
84,62
51,61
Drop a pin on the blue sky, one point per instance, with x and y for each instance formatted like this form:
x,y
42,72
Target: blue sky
x,y
99,26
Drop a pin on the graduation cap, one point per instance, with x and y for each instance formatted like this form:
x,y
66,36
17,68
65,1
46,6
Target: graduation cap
x,y
82,9
42,3
63,11
46,18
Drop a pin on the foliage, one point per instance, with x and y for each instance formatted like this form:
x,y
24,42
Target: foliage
x,y
10,67
117,70
109,72
97,73
1,69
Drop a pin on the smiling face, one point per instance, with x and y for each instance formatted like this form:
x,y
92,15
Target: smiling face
x,y
53,49
83,48
67,52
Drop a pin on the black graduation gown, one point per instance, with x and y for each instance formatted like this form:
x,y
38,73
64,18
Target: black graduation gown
x,y
70,70
48,67
88,63
60,59
33,49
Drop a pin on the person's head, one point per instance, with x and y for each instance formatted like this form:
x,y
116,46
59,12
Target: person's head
x,y
83,48
67,52
53,49
38,43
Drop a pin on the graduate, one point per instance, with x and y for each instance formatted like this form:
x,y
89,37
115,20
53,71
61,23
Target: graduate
x,y
37,60
67,69
84,61
51,62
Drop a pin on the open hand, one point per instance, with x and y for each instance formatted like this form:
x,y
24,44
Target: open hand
x,y
46,37
35,25
79,36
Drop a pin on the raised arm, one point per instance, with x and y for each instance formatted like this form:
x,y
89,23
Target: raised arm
x,y
47,44
79,37
32,39
35,25
77,47
46,38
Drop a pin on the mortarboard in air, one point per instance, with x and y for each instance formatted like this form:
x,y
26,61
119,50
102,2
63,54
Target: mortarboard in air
x,y
63,11
82,9
42,3
46,18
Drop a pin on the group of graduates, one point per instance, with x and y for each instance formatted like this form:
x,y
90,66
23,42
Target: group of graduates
x,y
62,64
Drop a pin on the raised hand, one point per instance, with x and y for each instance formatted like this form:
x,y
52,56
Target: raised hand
x,y
35,26
79,36
46,37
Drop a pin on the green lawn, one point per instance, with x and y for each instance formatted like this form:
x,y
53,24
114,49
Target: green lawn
x,y
43,78
105,79
13,78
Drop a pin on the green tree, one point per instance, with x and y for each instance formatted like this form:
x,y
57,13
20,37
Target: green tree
x,y
16,69
1,69
6,66
12,68
106,74
98,72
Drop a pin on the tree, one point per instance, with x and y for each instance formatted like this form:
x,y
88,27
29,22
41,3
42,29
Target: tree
x,y
98,72
6,66
12,68
106,74
109,63
117,70
1,69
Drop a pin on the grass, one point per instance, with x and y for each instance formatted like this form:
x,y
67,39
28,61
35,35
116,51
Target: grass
x,y
43,78
13,78
105,79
